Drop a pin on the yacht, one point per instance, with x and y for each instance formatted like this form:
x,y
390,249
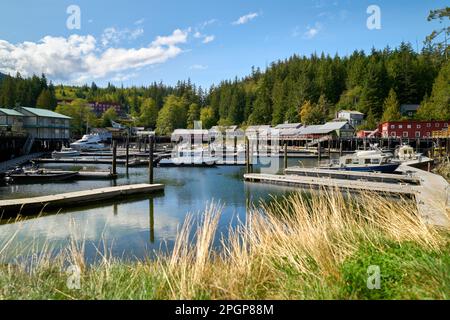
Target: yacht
x,y
368,161
89,142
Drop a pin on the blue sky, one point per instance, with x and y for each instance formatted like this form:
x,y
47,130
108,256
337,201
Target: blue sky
x,y
136,42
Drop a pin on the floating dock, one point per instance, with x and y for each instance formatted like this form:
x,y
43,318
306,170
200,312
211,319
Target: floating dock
x,y
430,191
132,162
74,199
316,182
354,175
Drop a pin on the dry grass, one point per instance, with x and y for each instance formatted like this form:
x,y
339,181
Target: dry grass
x,y
297,247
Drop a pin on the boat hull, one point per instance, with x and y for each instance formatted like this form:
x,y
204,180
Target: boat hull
x,y
388,168
40,178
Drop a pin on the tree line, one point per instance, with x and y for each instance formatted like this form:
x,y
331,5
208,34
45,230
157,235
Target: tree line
x,y
306,89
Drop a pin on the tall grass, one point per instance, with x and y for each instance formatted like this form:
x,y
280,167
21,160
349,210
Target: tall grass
x,y
298,247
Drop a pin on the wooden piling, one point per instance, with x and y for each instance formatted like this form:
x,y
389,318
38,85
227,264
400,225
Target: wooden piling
x,y
285,156
114,158
127,160
247,154
150,159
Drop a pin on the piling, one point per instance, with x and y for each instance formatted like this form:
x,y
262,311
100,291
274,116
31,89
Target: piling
x,y
150,159
285,156
127,161
319,152
114,158
247,154
340,147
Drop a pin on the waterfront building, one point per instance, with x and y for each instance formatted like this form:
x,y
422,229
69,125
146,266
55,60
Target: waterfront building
x,y
354,118
339,129
412,129
44,124
11,121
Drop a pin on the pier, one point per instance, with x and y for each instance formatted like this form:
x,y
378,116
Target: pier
x,y
430,191
74,199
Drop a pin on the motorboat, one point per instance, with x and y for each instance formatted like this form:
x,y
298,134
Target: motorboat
x,y
65,153
189,158
406,153
40,176
89,142
367,161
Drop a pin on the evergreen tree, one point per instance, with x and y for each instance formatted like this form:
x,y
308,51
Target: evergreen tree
x,y
148,114
391,108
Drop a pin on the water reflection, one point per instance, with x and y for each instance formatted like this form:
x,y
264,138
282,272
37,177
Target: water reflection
x,y
136,227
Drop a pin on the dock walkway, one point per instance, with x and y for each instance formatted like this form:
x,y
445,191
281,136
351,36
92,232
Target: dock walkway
x,y
73,199
316,182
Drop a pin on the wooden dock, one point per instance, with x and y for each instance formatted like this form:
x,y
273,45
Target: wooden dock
x,y
74,199
353,175
132,163
430,191
316,182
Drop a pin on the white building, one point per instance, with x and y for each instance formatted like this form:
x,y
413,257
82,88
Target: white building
x,y
355,118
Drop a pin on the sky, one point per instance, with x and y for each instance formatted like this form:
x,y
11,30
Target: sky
x,y
136,42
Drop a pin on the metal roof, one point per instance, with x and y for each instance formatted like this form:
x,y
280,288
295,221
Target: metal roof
x,y
324,128
45,113
351,112
11,112
288,126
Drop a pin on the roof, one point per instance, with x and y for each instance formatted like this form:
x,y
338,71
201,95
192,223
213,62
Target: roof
x,y
352,112
288,126
190,131
409,107
324,128
11,112
45,113
224,128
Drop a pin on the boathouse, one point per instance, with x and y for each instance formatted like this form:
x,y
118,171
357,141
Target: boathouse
x,y
11,120
339,129
411,129
355,118
44,124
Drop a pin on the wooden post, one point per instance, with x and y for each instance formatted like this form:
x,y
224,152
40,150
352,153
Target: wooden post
x,y
152,221
319,151
150,159
340,147
329,147
247,154
114,158
285,156
127,152
235,150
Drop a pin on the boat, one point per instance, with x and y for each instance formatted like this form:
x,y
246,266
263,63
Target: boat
x,y
406,153
366,161
65,153
89,142
21,176
189,158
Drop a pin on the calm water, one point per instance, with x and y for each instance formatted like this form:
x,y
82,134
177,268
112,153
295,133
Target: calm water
x,y
137,227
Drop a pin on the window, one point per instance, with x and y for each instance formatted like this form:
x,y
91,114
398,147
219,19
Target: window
x,y
409,126
393,134
419,126
445,125
417,134
392,126
405,134
428,134
400,126
437,125
428,125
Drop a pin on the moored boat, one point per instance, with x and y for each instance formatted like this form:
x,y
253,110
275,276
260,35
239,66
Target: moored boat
x,y
366,161
89,142
65,153
20,176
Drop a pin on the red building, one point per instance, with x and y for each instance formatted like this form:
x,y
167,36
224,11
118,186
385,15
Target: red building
x,y
101,107
411,129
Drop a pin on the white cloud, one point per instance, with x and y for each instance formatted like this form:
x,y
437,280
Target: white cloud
x,y
311,32
78,59
208,39
198,35
207,23
112,36
245,19
198,67
140,21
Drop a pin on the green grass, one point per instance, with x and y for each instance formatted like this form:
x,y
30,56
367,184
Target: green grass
x,y
318,247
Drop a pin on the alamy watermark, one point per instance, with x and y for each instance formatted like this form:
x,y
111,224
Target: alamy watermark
x,y
74,277
374,20
374,278
73,22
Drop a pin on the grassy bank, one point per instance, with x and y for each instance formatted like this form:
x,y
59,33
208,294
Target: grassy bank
x,y
317,247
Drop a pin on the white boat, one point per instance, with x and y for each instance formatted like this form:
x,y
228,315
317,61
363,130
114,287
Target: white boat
x,y
89,142
367,161
406,153
65,153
